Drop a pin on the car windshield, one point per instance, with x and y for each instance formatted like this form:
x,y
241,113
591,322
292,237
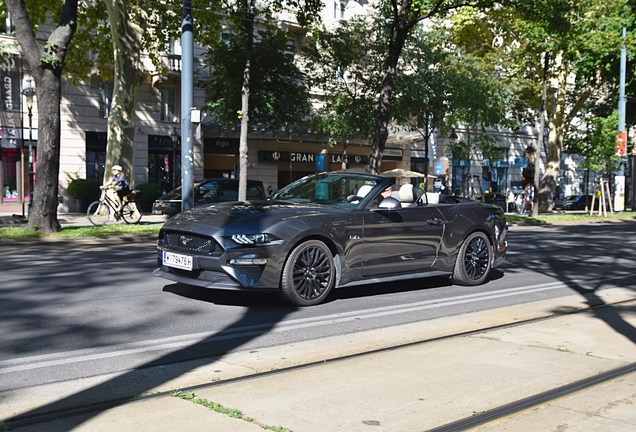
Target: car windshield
x,y
331,189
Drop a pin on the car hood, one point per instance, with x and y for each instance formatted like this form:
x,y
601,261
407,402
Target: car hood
x,y
241,217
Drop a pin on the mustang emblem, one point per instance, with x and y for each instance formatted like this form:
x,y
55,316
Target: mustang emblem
x,y
185,240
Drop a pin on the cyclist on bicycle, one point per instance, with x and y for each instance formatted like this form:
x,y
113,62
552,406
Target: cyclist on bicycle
x,y
120,184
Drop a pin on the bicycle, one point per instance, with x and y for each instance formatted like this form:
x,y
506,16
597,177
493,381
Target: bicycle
x,y
99,211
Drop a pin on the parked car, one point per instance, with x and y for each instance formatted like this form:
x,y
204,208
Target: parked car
x,y
331,230
576,202
207,192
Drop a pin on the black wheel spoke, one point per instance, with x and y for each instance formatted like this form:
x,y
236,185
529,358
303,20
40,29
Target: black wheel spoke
x,y
311,274
476,258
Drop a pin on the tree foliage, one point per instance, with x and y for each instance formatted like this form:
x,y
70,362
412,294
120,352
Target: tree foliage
x,y
343,66
278,95
582,43
597,143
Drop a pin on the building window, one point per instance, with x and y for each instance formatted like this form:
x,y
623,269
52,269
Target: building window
x,y
169,112
96,154
105,98
6,25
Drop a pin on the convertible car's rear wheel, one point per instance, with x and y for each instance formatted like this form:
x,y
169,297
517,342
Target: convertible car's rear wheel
x,y
473,260
308,275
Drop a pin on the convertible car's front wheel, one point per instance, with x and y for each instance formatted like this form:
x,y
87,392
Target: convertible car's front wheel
x,y
473,260
308,275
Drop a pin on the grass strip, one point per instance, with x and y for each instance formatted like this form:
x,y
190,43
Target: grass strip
x,y
82,231
231,412
567,217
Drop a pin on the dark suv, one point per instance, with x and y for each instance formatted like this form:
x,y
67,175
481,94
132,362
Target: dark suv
x,y
207,192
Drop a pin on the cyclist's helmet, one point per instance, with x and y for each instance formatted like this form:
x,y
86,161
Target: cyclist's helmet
x,y
117,167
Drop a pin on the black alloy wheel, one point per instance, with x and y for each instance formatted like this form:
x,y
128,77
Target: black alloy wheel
x,y
474,260
308,274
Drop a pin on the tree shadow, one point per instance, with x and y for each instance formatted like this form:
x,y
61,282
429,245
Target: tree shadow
x,y
122,388
569,256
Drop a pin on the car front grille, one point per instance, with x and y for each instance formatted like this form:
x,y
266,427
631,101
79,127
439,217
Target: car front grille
x,y
192,243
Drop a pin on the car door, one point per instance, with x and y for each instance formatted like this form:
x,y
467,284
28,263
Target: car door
x,y
400,240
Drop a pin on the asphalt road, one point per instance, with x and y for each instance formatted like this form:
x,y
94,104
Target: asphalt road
x,y
71,310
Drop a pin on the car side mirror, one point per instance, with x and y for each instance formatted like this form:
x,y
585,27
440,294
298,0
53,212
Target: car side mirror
x,y
389,203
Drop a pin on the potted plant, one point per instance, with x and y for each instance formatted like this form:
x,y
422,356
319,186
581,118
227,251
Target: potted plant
x,y
82,192
149,193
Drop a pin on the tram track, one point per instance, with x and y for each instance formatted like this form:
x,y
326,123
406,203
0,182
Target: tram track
x,y
506,410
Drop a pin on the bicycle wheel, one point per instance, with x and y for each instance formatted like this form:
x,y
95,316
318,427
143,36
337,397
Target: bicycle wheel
x,y
130,213
98,213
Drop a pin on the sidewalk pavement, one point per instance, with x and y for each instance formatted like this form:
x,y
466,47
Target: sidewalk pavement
x,y
412,377
72,219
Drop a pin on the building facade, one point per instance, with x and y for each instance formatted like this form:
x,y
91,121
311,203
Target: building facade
x,y
274,157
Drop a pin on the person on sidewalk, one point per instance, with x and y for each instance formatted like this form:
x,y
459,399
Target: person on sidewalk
x,y
120,183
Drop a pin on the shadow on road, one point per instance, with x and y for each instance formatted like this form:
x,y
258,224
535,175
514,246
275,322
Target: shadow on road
x,y
586,257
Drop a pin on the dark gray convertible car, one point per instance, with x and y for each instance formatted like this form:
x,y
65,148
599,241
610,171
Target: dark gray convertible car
x,y
331,230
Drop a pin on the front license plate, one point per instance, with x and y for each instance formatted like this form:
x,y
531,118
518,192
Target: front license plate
x,y
177,260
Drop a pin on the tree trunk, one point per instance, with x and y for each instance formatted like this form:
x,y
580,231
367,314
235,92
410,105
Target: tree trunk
x,y
400,32
127,36
46,64
558,126
245,101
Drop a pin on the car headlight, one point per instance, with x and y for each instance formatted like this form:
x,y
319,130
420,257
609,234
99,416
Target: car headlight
x,y
256,239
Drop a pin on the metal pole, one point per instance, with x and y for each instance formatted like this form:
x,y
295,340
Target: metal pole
x,y
619,179
621,100
537,161
31,173
187,96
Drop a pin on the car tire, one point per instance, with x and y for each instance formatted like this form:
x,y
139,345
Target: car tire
x,y
474,260
308,274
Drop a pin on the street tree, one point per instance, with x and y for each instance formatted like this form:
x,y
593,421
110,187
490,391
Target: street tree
x,y
440,87
46,60
401,17
116,33
581,41
278,95
344,65
246,17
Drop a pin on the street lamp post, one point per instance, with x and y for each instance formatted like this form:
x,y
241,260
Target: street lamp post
x,y
452,139
29,92
174,135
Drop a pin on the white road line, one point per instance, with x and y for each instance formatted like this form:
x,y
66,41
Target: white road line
x,y
177,342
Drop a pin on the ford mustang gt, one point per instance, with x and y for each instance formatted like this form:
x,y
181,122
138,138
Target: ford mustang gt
x,y
332,230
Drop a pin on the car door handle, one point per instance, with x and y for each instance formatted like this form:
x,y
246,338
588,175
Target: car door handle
x,y
434,221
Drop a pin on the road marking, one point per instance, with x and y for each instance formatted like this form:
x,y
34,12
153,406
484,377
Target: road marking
x,y
176,342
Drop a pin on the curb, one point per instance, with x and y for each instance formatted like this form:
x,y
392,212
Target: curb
x,y
96,240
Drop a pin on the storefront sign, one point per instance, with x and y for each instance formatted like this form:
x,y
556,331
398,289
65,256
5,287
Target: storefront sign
x,y
277,156
221,145
10,115
521,162
306,157
392,154
302,157
320,162
438,168
350,159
